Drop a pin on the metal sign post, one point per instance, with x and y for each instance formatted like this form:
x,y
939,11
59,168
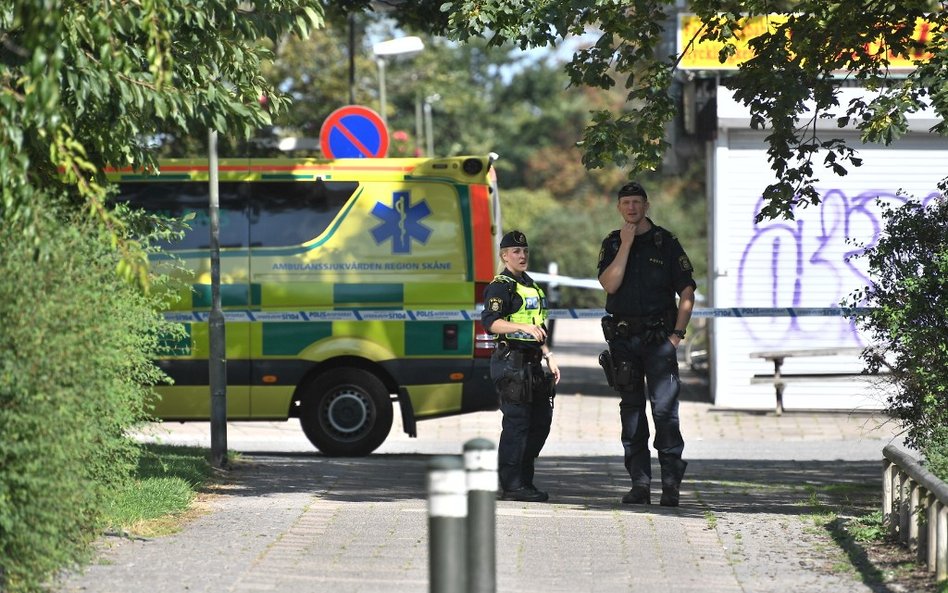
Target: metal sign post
x,y
217,356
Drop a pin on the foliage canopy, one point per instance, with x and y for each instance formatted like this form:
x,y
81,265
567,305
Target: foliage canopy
x,y
795,67
119,74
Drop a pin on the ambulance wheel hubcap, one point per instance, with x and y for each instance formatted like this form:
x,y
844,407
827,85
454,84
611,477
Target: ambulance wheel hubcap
x,y
348,412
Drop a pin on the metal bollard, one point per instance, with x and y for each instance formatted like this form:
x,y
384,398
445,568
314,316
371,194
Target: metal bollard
x,y
480,462
447,515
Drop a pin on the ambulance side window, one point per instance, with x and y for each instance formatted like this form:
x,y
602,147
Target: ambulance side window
x,y
177,199
287,213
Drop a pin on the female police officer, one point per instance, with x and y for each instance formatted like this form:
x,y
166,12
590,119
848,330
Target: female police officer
x,y
515,310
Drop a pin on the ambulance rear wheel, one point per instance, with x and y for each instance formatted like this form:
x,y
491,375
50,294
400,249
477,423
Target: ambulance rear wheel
x,y
346,412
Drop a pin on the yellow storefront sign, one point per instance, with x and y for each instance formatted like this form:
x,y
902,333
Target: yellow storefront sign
x,y
698,54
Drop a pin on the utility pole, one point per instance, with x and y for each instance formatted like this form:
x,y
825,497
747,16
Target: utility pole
x,y
217,357
352,67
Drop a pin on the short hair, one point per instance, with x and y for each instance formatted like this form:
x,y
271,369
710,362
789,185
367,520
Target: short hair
x,y
633,188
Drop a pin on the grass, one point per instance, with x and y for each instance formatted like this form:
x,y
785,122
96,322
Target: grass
x,y
867,528
711,519
161,492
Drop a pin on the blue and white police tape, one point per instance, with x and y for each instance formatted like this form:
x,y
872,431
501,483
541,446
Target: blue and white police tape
x,y
461,315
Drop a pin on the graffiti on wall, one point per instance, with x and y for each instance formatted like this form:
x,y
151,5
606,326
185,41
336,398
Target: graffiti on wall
x,y
809,262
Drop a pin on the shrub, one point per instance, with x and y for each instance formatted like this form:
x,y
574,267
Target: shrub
x,y
77,343
908,319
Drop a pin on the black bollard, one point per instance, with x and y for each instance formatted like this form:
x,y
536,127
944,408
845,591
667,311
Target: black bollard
x,y
447,515
480,463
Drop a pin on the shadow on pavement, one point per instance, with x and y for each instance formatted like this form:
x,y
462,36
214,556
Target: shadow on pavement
x,y
587,483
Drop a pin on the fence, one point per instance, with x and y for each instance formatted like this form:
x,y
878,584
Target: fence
x,y
915,508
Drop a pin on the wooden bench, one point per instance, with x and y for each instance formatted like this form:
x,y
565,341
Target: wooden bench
x,y
779,379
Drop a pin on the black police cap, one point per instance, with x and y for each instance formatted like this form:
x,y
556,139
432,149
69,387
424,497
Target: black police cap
x,y
513,239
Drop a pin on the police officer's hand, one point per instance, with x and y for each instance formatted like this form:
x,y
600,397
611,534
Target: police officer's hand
x,y
551,363
627,233
675,340
537,331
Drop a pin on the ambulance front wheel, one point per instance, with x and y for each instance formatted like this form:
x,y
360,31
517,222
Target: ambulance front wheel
x,y
346,412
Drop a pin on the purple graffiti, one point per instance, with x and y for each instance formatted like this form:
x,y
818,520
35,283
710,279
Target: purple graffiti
x,y
808,262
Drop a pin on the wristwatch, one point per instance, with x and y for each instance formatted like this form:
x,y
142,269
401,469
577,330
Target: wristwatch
x,y
679,332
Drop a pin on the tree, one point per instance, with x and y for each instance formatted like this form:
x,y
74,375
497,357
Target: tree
x,y
794,65
89,84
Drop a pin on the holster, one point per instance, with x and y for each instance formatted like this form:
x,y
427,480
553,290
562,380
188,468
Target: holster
x,y
626,377
605,361
655,332
621,375
543,383
510,374
613,328
608,331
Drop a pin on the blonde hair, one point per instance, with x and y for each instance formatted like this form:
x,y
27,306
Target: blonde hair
x,y
502,265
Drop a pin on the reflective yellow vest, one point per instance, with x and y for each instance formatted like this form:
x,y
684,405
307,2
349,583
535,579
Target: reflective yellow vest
x,y
532,310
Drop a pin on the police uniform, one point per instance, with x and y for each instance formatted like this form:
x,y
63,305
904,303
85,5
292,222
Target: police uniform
x,y
644,362
525,400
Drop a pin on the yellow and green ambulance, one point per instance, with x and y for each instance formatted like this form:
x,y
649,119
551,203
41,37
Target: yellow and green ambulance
x,y
347,285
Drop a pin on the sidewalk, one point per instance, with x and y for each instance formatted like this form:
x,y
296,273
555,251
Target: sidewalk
x,y
294,520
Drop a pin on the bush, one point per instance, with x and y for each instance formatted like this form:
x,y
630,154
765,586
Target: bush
x,y
936,453
908,320
77,343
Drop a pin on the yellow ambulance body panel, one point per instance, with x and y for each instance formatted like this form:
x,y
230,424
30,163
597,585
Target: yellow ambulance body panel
x,y
345,284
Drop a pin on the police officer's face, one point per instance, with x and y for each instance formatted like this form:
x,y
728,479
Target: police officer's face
x,y
633,208
515,258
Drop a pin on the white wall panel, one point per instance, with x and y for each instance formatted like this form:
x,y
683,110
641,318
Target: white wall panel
x,y
801,263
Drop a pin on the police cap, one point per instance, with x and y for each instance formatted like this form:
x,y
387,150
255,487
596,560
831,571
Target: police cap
x,y
633,188
513,239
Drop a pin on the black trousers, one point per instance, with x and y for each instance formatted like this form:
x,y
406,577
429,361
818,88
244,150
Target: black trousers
x,y
525,429
656,379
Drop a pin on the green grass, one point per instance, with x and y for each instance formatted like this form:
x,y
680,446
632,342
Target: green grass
x,y
161,491
867,528
711,519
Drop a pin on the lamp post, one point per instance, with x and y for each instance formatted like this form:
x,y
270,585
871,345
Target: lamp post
x,y
399,46
429,132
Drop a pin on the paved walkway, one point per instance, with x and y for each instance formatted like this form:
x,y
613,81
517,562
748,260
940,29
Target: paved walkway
x,y
294,520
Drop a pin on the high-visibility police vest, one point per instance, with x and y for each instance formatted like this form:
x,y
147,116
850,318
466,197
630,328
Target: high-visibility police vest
x,y
532,309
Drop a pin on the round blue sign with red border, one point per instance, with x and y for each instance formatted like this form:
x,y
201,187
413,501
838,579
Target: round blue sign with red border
x,y
354,132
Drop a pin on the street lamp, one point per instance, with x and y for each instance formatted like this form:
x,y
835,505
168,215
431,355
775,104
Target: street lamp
x,y
429,132
399,46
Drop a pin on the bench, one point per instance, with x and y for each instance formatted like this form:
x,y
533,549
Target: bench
x,y
779,379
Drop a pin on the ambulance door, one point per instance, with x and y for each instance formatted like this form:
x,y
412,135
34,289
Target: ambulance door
x,y
292,266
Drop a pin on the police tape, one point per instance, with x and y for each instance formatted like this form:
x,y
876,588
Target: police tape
x,y
461,315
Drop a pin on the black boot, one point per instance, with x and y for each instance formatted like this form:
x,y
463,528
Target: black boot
x,y
639,494
525,495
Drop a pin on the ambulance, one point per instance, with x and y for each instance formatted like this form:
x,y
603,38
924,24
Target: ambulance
x,y
348,287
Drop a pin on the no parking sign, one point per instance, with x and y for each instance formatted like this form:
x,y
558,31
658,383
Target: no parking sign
x,y
354,131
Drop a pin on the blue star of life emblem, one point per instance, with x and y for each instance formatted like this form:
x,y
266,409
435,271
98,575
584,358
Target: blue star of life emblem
x,y
401,222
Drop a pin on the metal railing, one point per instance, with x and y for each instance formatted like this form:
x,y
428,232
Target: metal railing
x,y
915,508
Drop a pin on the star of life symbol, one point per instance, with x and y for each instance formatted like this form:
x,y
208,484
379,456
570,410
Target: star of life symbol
x,y
401,222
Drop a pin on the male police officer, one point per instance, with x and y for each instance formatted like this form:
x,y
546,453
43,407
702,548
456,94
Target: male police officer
x,y
642,266
515,308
